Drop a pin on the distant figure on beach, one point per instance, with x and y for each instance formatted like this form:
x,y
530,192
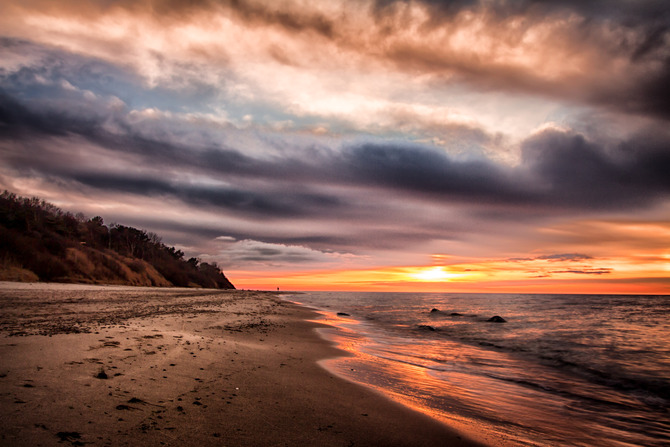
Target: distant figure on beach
x,y
277,289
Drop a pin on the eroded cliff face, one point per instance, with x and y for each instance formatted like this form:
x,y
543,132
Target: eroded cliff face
x,y
89,265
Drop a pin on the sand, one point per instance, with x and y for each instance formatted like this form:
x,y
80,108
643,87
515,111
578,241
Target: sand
x,y
115,366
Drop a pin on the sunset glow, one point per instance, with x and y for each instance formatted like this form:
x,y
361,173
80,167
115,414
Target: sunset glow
x,y
433,274
355,145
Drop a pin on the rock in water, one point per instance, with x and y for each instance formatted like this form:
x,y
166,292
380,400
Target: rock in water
x,y
343,314
425,327
497,319
433,310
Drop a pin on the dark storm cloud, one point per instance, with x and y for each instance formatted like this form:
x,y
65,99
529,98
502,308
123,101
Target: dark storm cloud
x,y
22,123
567,169
428,171
654,94
33,155
269,204
605,33
43,66
559,169
620,10
16,119
31,128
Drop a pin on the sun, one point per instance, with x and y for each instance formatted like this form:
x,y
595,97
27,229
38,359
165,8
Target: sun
x,y
432,274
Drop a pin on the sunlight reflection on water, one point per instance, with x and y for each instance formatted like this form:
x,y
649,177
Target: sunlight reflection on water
x,y
529,382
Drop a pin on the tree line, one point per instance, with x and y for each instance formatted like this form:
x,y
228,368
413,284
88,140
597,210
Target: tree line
x,y
55,245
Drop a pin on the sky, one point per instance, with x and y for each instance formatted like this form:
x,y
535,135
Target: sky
x,y
382,145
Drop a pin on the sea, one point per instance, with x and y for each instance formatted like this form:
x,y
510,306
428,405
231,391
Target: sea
x,y
561,370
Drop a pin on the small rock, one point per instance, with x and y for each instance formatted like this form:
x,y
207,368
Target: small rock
x,y
497,319
70,436
343,314
426,327
101,375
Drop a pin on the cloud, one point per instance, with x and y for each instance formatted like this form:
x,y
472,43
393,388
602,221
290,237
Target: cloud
x,y
546,266
593,271
361,127
291,18
569,169
557,257
613,54
565,257
268,204
288,16
559,169
426,171
225,238
250,253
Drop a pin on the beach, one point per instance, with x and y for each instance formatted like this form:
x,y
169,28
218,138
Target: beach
x,y
113,366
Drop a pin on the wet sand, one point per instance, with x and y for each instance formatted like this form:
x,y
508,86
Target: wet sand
x,y
114,366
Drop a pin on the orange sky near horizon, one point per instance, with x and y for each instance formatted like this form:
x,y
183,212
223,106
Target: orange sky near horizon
x,y
641,266
484,277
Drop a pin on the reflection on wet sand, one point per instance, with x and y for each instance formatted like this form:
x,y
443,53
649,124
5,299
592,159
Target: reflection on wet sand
x,y
506,385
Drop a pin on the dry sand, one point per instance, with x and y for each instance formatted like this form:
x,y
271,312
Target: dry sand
x,y
113,366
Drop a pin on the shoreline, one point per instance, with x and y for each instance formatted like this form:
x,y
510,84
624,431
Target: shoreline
x,y
329,327
183,367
